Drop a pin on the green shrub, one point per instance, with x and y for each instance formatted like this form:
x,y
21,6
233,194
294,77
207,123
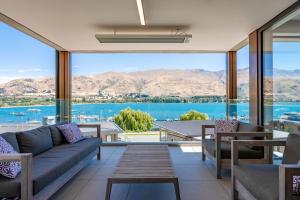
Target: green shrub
x,y
134,121
194,115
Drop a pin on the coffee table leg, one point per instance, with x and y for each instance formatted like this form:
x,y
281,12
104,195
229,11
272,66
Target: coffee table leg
x,y
108,189
177,191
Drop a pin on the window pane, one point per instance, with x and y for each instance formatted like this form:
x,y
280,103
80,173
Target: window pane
x,y
243,84
163,86
27,84
281,78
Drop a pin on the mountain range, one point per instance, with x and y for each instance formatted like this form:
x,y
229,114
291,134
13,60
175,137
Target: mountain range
x,y
162,82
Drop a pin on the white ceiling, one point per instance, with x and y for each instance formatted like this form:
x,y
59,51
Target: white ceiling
x,y
216,25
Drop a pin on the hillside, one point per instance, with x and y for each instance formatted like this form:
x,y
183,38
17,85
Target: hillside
x,y
183,83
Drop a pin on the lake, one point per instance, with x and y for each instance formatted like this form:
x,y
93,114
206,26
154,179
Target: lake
x,y
159,111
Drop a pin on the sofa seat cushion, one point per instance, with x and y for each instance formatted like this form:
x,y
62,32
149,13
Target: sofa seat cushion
x,y
244,151
35,141
50,165
261,180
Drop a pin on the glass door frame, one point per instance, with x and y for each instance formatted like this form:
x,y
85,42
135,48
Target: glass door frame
x,y
260,44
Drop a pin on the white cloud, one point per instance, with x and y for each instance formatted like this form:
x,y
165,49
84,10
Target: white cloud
x,y
5,79
76,66
29,70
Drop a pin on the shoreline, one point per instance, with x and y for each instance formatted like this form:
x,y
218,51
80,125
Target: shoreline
x,y
75,104
108,103
27,106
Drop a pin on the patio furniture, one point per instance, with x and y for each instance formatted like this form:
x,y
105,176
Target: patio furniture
x,y
144,164
51,163
109,131
268,181
220,151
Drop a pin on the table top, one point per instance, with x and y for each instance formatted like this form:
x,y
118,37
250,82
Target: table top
x,y
144,162
107,128
186,128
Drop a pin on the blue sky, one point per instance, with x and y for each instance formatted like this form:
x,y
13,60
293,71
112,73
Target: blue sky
x,y
243,57
22,56
128,62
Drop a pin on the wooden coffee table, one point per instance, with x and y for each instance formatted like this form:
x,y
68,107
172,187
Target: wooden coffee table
x,y
144,164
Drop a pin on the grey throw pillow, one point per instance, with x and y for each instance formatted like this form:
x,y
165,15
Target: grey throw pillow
x,y
35,141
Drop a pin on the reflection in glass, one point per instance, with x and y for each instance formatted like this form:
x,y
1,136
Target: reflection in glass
x,y
281,70
243,84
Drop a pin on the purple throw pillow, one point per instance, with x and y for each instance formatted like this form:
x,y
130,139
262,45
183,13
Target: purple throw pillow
x,y
226,126
71,132
9,169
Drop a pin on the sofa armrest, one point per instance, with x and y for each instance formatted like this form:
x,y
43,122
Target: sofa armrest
x,y
289,181
26,176
97,126
236,143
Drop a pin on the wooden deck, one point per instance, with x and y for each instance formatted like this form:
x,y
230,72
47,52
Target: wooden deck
x,y
144,164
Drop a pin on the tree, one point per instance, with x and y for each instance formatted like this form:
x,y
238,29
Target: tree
x,y
194,115
132,120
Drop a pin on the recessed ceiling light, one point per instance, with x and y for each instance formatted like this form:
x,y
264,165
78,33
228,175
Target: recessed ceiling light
x,y
141,11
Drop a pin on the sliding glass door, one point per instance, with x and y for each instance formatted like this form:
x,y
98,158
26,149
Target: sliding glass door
x,y
281,72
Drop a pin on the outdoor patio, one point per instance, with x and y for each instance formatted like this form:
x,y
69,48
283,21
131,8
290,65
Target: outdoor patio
x,y
196,179
150,100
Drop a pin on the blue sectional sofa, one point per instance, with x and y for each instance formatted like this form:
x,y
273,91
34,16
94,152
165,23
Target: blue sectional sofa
x,y
47,160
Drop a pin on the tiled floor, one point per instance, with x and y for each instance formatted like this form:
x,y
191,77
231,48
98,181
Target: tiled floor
x,y
196,178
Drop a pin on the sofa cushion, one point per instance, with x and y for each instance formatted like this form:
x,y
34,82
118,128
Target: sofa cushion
x,y
292,151
12,140
50,165
8,169
57,137
245,127
248,127
59,160
261,180
71,132
244,151
35,141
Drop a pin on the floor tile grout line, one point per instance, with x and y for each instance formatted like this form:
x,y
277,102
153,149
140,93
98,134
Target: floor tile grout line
x,y
81,188
111,157
90,178
127,195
